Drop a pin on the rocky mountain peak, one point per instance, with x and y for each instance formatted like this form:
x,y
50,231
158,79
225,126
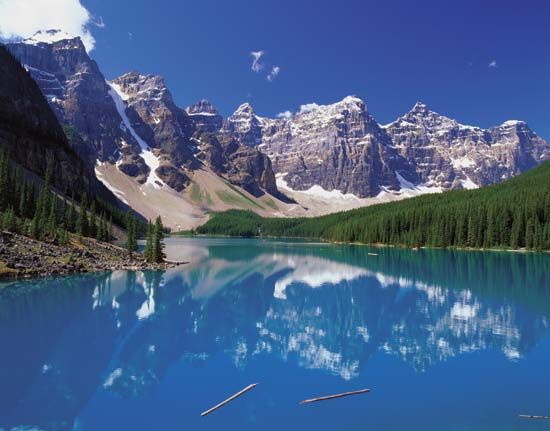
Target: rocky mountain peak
x,y
420,108
353,101
244,109
347,104
55,37
514,124
135,84
203,107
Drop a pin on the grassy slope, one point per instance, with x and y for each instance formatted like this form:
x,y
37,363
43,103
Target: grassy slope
x,y
525,191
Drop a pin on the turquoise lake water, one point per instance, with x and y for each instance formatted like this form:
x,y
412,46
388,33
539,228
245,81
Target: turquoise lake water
x,y
445,340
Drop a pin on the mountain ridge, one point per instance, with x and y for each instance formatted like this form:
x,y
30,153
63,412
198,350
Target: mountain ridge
x,y
323,158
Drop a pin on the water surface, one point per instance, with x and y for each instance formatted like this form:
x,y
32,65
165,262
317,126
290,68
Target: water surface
x,y
445,340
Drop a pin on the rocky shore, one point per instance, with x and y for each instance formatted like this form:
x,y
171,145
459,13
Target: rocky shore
x,y
24,257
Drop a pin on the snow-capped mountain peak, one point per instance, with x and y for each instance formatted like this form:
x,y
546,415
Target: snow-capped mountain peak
x,y
49,36
245,108
514,123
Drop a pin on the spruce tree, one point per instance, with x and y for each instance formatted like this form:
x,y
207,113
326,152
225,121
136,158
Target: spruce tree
x,y
158,242
92,223
148,252
52,216
110,229
131,242
82,221
69,215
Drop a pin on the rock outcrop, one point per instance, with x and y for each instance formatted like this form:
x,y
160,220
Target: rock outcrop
x,y
31,134
342,147
79,95
448,154
160,123
338,147
239,164
205,117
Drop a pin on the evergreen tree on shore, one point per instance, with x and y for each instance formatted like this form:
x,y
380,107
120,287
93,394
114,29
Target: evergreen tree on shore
x,y
148,252
82,221
511,215
131,241
158,242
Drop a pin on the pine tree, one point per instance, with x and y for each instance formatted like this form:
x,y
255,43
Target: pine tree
x,y
82,221
101,230
158,242
148,252
110,229
131,242
69,216
34,228
92,223
52,216
9,220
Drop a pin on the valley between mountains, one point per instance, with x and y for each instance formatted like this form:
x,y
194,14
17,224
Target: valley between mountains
x,y
185,163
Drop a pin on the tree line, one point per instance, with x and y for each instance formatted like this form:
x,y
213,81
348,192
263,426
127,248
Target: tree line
x,y
511,215
44,214
154,246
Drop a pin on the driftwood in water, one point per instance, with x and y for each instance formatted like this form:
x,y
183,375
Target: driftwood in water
x,y
534,417
331,397
231,398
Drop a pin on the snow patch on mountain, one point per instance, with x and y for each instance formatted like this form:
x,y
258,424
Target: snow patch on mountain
x,y
317,191
408,189
151,160
468,184
48,36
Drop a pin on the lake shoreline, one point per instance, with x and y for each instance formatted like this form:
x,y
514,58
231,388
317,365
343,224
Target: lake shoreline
x,y
22,257
377,245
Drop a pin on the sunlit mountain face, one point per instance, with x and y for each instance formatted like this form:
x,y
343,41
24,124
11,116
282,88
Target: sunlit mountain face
x,y
244,307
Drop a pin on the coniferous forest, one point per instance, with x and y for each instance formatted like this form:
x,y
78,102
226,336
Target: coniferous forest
x,y
41,212
511,215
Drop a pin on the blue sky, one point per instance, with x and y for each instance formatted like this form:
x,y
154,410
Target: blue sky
x,y
481,62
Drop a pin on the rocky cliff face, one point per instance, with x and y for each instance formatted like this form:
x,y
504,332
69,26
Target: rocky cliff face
x,y
32,135
131,122
240,164
160,123
448,154
341,147
79,95
205,117
338,147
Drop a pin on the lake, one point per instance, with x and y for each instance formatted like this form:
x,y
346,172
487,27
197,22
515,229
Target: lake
x,y
446,340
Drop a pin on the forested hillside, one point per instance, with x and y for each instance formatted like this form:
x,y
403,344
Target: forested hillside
x,y
514,214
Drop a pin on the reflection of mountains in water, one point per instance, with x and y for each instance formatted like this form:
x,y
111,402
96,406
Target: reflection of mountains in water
x,y
329,308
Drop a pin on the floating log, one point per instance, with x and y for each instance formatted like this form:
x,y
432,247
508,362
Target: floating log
x,y
534,417
231,398
331,397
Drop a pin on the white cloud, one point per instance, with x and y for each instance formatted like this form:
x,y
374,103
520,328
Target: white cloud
x,y
493,64
273,74
23,18
308,107
285,114
257,65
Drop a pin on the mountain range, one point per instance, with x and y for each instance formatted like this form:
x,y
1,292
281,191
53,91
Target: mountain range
x,y
184,163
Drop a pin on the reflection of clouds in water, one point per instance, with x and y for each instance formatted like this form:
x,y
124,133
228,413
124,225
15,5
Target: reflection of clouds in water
x,y
315,272
326,314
